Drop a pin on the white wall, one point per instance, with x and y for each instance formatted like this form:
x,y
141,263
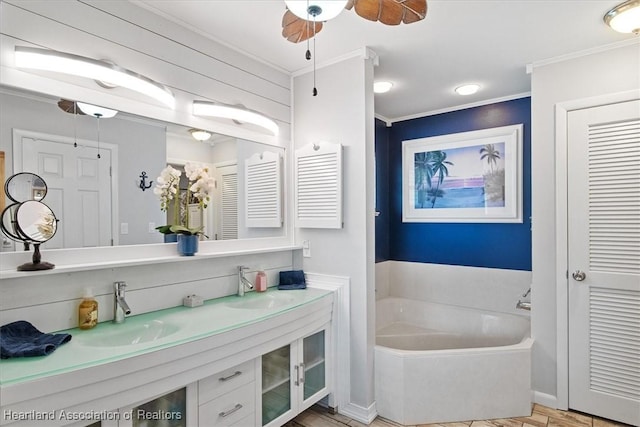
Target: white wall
x,y
596,74
343,113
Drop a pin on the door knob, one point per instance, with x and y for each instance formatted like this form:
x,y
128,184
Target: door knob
x,y
579,275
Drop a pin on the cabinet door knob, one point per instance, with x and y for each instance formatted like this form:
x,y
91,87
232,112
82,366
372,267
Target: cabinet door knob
x,y
230,411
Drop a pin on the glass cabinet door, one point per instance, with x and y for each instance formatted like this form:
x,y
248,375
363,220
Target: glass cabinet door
x,y
314,366
276,384
168,410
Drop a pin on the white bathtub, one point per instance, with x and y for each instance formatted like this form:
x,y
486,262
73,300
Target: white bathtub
x,y
437,363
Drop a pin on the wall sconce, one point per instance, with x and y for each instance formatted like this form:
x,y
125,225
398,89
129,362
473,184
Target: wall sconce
x,y
67,63
200,135
210,109
625,17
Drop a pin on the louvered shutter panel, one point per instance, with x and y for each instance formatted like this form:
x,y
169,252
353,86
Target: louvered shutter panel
x,y
614,247
229,214
263,190
614,197
318,192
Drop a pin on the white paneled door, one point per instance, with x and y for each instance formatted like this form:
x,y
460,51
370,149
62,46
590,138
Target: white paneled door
x,y
604,261
79,188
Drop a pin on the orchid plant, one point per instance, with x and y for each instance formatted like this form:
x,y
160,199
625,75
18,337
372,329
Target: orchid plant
x,y
200,187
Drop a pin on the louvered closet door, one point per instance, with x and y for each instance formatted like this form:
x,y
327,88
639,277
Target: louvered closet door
x,y
604,261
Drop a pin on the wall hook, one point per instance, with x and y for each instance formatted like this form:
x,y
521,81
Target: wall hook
x,y
316,147
143,181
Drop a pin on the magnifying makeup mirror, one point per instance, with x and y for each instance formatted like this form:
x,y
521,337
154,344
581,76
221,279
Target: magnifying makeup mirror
x,y
28,220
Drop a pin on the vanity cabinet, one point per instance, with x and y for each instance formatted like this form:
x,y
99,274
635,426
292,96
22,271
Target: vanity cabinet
x,y
293,378
173,409
229,397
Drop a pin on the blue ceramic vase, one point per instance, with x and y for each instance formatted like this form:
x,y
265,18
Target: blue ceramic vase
x,y
187,244
170,238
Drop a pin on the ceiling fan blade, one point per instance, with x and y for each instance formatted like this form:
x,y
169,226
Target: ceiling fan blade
x,y
296,29
69,107
415,10
390,12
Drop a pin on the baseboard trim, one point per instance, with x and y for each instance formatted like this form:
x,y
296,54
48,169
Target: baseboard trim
x,y
359,413
547,400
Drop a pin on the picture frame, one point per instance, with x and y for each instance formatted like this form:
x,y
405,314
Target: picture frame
x,y
464,177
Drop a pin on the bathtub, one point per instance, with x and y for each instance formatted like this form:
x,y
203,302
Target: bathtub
x,y
437,363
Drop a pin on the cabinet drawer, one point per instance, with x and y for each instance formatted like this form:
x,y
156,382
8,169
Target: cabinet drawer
x,y
229,408
222,382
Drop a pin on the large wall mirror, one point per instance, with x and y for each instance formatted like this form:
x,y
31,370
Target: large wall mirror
x,y
101,171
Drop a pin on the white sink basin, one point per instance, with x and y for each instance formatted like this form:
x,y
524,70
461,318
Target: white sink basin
x,y
121,335
261,301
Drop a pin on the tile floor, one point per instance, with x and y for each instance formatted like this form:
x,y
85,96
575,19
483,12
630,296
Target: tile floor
x,y
541,416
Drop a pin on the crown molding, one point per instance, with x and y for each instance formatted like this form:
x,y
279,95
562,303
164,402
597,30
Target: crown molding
x,y
460,107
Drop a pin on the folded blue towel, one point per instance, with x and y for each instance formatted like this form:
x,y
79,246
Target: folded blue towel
x,y
292,280
22,339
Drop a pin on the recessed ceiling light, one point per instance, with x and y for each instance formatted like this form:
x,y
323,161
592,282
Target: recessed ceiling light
x,y
467,89
382,87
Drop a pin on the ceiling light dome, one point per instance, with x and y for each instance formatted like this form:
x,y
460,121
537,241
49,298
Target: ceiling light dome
x,y
467,89
318,10
94,110
625,17
200,135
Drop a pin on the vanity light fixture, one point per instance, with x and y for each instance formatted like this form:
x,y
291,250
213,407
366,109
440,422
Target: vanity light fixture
x,y
382,87
211,109
67,63
200,135
467,89
625,17
94,110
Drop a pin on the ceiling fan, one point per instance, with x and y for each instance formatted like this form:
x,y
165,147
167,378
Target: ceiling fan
x,y
303,18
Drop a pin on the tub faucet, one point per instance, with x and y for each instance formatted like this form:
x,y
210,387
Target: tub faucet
x,y
120,306
524,305
243,283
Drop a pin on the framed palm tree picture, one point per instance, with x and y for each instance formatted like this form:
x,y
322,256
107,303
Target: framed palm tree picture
x,y
463,177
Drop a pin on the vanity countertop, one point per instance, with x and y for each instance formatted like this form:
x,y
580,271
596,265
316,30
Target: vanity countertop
x,y
178,325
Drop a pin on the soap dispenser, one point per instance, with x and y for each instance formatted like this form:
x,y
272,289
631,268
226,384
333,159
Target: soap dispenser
x,y
88,311
261,281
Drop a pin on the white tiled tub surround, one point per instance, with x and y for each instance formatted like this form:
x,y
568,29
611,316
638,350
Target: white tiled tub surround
x,y
450,345
489,289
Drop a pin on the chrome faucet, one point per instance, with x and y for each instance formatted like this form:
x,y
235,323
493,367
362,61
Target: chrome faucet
x,y
120,306
243,283
524,305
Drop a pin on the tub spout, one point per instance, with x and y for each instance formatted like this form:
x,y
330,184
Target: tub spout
x,y
523,305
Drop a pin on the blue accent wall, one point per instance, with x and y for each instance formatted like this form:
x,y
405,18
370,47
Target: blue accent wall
x,y
382,191
493,245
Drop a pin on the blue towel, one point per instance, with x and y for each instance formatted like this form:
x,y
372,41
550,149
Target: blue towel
x,y
22,339
292,280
